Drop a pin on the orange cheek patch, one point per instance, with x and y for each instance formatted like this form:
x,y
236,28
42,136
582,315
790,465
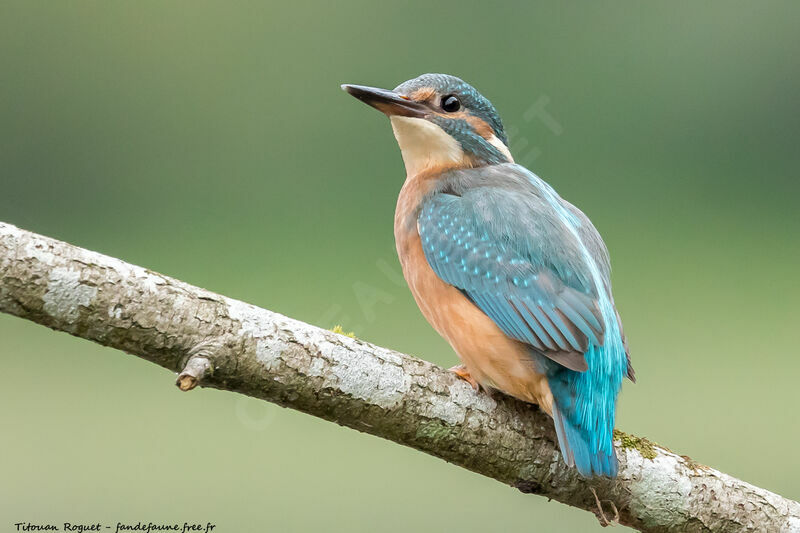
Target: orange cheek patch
x,y
423,94
480,126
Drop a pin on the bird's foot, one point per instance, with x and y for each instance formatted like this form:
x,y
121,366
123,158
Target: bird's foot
x,y
462,372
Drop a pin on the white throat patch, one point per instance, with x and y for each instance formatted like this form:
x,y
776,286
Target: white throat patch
x,y
497,143
424,145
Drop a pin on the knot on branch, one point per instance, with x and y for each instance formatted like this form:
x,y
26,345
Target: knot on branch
x,y
198,364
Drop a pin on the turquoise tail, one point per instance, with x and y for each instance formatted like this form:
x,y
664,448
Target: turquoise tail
x,y
578,451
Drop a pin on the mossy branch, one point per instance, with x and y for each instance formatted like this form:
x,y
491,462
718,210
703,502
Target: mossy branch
x,y
214,341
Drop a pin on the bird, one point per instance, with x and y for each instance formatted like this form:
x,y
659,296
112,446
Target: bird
x,y
513,276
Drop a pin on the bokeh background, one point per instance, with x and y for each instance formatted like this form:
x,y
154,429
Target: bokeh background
x,y
210,141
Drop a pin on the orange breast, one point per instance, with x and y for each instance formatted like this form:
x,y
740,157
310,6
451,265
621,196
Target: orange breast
x,y
492,358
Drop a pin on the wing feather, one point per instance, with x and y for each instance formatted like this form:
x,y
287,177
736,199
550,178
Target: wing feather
x,y
510,253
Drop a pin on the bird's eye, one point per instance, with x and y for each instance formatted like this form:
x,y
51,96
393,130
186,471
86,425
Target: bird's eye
x,y
450,103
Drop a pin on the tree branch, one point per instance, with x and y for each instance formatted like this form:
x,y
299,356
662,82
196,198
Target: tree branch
x,y
223,343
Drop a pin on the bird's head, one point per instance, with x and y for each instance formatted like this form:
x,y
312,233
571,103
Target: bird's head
x,y
440,122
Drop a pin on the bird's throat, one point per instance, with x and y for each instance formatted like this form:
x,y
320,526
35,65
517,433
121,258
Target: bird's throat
x,y
425,146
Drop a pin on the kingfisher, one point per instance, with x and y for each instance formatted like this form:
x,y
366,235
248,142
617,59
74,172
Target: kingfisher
x,y
513,276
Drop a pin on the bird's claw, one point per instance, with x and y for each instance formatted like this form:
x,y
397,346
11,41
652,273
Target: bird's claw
x,y
462,372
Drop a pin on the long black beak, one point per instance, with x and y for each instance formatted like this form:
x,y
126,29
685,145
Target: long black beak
x,y
388,102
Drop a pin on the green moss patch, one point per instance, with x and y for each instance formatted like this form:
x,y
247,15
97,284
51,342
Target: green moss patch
x,y
338,329
645,447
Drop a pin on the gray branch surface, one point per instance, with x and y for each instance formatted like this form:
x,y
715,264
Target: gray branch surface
x,y
214,341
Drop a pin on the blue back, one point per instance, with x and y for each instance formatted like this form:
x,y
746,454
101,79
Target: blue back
x,y
538,268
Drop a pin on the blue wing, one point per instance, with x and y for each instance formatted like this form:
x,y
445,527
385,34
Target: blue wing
x,y
521,266
538,268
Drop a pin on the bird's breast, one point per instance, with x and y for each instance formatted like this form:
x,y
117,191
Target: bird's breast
x,y
493,358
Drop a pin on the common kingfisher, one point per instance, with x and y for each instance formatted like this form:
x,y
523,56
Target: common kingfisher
x,y
513,276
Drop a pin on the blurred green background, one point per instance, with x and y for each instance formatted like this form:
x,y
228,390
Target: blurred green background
x,y
210,141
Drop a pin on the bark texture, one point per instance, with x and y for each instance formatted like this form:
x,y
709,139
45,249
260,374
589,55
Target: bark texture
x,y
214,341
